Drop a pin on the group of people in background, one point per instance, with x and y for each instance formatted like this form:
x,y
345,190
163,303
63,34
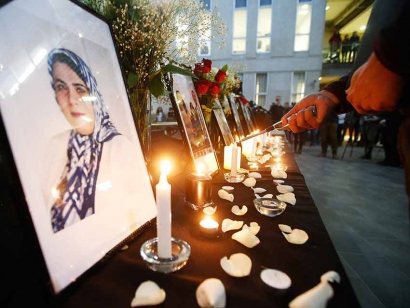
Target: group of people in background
x,y
368,131
343,50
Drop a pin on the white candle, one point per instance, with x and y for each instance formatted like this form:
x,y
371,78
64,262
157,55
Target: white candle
x,y
255,141
227,157
234,160
163,194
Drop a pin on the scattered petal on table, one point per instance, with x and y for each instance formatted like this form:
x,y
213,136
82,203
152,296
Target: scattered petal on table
x,y
223,194
268,196
278,182
254,227
318,296
240,212
276,279
238,265
288,198
229,224
295,236
211,293
148,294
330,276
283,189
209,210
259,190
279,174
246,237
257,196
228,188
249,182
255,175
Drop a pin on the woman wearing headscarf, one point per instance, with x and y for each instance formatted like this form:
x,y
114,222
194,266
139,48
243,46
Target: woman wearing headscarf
x,y
88,145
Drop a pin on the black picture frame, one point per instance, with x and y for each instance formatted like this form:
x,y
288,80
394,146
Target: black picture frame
x,y
30,118
192,124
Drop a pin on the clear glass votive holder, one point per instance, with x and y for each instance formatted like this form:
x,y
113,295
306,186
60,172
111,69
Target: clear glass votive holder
x,y
234,179
180,255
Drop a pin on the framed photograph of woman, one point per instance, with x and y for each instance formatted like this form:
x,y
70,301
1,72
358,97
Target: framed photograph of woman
x,y
222,124
69,125
238,125
192,123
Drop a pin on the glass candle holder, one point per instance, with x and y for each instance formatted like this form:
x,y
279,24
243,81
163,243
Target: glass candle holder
x,y
198,190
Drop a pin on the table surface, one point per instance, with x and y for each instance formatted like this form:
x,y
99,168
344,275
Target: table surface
x,y
113,283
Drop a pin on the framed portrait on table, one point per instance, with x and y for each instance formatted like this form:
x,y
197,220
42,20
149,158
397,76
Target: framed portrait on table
x,y
70,129
235,113
244,115
222,124
192,123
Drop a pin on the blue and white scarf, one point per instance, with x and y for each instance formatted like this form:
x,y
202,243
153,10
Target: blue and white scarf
x,y
76,188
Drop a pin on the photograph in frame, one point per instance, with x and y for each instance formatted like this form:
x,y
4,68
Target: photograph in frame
x,y
222,123
238,125
68,121
192,123
248,117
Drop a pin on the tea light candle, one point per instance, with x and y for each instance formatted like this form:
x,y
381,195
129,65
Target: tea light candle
x,y
198,188
163,195
279,167
209,227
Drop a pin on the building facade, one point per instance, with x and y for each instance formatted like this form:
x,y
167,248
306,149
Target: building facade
x,y
277,42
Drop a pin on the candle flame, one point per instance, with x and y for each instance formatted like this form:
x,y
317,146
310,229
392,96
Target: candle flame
x,y
200,168
55,193
165,167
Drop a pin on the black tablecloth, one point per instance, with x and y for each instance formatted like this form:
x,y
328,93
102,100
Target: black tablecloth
x,y
113,283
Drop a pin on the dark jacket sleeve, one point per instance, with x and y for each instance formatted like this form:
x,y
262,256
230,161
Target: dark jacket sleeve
x,y
338,89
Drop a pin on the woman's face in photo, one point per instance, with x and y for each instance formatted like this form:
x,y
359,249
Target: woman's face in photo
x,y
70,90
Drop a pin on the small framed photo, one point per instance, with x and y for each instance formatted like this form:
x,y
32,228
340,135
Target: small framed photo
x,y
192,123
222,124
69,125
235,113
247,116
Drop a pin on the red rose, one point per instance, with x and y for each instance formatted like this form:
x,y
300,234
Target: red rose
x,y
198,69
214,88
202,86
206,69
220,76
207,63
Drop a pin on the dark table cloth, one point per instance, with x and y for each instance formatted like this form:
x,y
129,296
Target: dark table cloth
x,y
114,282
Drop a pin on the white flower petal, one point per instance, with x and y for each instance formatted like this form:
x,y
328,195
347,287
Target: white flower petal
x,y
268,196
254,227
148,294
228,188
209,210
297,237
288,198
246,237
285,228
283,189
276,279
249,182
211,293
229,224
240,212
238,265
279,174
279,181
259,190
223,194
255,175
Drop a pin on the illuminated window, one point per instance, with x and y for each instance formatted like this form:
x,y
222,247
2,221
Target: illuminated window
x,y
261,89
303,21
239,27
298,86
264,25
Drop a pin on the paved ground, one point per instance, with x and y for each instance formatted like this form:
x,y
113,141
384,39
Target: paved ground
x,y
364,207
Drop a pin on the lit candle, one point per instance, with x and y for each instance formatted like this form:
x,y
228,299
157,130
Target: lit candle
x,y
254,144
209,227
234,160
198,189
163,194
228,157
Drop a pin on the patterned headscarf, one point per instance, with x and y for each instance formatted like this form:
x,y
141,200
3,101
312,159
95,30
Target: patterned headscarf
x,y
75,193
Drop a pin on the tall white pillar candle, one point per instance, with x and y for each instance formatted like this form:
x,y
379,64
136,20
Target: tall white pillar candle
x,y
163,194
227,157
234,160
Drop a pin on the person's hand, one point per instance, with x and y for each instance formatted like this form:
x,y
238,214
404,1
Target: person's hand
x,y
310,112
374,88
